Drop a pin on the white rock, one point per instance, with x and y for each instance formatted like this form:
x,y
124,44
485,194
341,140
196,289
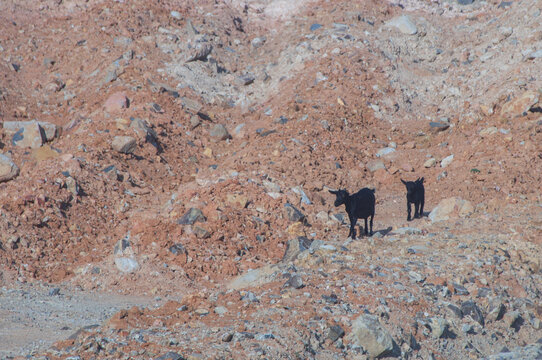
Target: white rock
x,y
126,265
404,24
447,161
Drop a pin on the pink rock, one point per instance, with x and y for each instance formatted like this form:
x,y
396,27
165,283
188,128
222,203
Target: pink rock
x,y
116,102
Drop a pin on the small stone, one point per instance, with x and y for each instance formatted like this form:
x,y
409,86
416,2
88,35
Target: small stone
x,y
54,292
512,318
430,162
385,151
294,281
292,213
258,42
227,337
219,132
170,355
191,216
8,169
470,308
438,327
404,24
535,55
520,105
124,144
116,102
447,161
373,166
246,79
465,2
368,333
194,121
201,311
72,186
177,249
488,131
200,52
201,233
220,310
175,14
126,265
294,247
437,126
121,246
335,332
315,27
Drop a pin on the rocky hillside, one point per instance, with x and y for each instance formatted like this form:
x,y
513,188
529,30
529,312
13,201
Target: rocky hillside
x,y
177,156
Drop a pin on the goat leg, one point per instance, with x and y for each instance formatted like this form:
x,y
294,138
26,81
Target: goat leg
x,y
353,222
421,208
408,211
372,216
417,210
366,230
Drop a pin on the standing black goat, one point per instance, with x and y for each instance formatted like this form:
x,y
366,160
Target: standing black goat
x,y
416,195
360,205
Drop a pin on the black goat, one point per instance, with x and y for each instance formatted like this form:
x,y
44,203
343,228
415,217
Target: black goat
x,y
360,205
415,195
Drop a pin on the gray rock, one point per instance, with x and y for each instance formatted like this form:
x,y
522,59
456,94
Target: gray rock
x,y
373,166
465,2
304,198
385,151
30,135
126,265
177,249
294,247
54,292
315,27
368,333
72,186
529,352
219,132
246,79
470,308
407,231
404,24
335,332
451,207
170,355
292,213
535,54
200,52
438,126
121,246
253,278
49,131
294,281
191,216
447,161
143,130
175,14
191,105
220,310
512,319
124,144
8,169
258,42
459,289
497,311
439,326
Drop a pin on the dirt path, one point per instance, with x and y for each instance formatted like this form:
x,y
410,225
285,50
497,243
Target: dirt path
x,y
33,316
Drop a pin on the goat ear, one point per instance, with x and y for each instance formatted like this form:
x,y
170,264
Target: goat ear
x,y
403,181
333,191
421,180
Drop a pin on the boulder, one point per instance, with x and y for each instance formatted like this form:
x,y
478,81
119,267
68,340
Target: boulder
x,y
124,144
368,333
8,169
450,208
520,105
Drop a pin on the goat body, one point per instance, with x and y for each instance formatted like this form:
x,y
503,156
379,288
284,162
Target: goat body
x,y
360,205
415,195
